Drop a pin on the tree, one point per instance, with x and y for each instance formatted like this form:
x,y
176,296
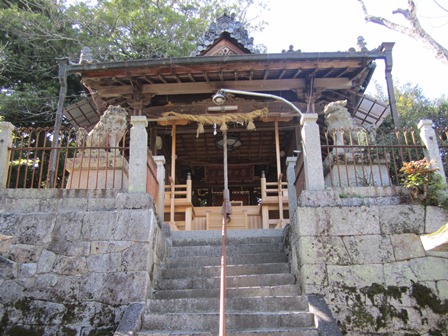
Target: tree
x,y
34,33
413,28
413,106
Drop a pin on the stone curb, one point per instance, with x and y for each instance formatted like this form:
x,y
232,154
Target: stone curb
x,y
324,319
131,320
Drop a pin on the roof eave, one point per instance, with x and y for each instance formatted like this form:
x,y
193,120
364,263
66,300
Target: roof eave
x,y
183,61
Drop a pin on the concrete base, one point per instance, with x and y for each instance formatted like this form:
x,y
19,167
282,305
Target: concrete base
x,y
105,171
355,170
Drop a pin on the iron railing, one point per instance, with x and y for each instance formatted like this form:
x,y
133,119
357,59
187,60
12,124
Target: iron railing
x,y
80,164
357,158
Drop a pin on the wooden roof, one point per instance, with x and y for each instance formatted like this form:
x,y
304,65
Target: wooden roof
x,y
186,85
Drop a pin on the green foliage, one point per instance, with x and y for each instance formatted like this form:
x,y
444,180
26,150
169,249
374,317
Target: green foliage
x,y
413,106
423,182
34,33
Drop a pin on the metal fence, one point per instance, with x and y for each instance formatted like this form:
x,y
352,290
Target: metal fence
x,y
358,158
80,162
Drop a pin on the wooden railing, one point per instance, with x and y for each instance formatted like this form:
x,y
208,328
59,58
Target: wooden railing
x,y
274,197
178,205
152,184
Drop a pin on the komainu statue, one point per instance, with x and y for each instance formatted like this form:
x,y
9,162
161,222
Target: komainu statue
x,y
109,130
344,129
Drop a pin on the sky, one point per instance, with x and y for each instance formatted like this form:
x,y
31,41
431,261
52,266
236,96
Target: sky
x,y
334,25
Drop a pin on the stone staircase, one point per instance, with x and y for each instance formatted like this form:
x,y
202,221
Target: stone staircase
x,y
262,296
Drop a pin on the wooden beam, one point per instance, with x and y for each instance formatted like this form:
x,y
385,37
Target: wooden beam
x,y
211,87
201,108
171,122
152,68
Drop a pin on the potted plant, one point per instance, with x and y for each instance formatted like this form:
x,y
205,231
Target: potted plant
x,y
421,179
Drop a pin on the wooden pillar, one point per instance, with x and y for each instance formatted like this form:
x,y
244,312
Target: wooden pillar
x,y
264,208
277,149
173,177
173,154
279,175
189,209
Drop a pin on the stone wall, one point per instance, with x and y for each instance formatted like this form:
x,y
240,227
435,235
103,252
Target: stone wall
x,y
72,261
366,258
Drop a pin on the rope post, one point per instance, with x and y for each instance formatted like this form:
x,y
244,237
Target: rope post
x,y
226,211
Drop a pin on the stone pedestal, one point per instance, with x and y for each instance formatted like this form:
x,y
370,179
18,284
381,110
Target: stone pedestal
x,y
356,169
102,171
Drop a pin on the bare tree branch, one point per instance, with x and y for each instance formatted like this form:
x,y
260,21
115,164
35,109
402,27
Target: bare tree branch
x,y
414,30
443,8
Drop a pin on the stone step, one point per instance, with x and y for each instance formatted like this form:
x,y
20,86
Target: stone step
x,y
234,321
283,290
236,304
231,260
232,270
213,237
215,250
266,332
232,281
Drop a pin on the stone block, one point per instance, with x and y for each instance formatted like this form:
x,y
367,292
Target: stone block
x,y
109,262
134,225
399,274
70,248
369,249
70,265
343,295
66,289
10,291
135,258
100,247
355,275
99,225
52,312
402,219
131,320
35,229
22,253
71,204
68,226
5,243
103,204
430,268
134,201
124,287
314,274
312,289
312,221
27,270
46,280
318,198
46,261
435,218
354,221
442,289
91,286
404,273
407,246
22,205
327,249
9,223
8,269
